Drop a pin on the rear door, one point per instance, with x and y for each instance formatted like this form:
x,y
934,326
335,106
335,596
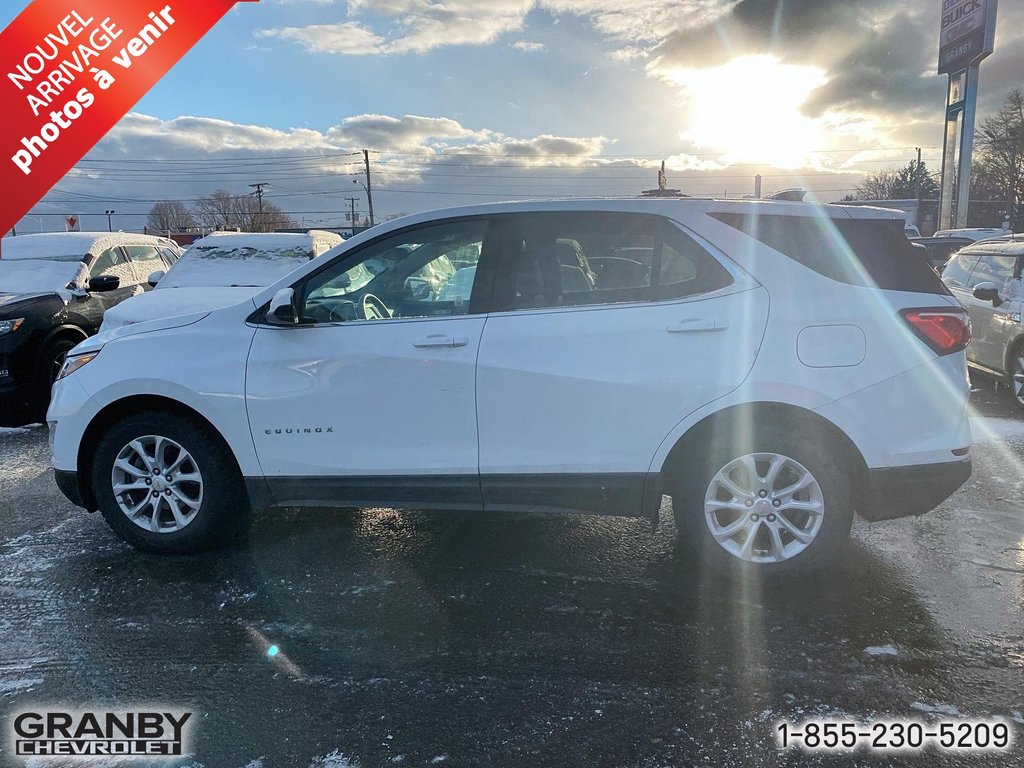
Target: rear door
x,y
614,328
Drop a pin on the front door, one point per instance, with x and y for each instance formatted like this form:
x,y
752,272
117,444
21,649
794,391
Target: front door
x,y
87,310
370,399
989,322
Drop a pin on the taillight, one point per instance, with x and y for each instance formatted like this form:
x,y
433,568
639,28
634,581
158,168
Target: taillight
x,y
945,329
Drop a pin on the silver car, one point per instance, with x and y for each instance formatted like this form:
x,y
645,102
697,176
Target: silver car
x,y
986,278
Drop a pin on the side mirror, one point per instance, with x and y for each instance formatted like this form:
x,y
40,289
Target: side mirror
x,y
282,309
155,278
104,283
987,292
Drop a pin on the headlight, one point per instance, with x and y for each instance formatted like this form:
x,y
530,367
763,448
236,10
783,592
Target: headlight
x,y
73,362
10,326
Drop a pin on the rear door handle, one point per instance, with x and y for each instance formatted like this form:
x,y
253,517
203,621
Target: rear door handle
x,y
697,326
435,342
440,341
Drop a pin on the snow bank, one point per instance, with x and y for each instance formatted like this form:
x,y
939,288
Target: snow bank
x,y
171,303
41,276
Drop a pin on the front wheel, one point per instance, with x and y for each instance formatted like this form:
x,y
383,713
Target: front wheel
x,y
772,506
47,367
166,484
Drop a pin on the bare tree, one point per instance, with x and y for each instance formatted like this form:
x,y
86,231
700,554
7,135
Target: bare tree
x,y
223,210
216,211
169,216
250,217
1000,148
899,184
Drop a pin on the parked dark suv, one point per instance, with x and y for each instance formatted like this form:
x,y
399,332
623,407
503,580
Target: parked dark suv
x,y
54,289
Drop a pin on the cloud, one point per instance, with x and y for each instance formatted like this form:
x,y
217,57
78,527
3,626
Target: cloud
x,y
410,132
417,26
527,47
351,38
642,20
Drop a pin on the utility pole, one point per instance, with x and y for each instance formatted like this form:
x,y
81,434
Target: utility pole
x,y
352,216
920,190
110,226
757,187
259,195
369,186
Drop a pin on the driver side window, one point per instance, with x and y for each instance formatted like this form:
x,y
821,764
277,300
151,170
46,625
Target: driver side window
x,y
428,272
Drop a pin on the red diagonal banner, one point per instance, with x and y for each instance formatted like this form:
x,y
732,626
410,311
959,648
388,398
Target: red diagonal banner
x,y
70,69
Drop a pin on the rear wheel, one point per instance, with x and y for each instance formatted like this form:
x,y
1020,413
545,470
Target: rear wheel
x,y
166,484
771,505
1017,374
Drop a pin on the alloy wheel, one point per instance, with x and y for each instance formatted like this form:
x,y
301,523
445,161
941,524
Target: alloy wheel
x,y
1018,377
157,484
764,508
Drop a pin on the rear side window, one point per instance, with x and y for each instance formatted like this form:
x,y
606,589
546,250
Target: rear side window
x,y
958,271
587,259
867,252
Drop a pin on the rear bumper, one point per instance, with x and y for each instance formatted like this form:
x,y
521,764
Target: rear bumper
x,y
67,481
912,490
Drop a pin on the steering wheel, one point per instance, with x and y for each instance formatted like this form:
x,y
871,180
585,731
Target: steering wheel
x,y
325,312
373,308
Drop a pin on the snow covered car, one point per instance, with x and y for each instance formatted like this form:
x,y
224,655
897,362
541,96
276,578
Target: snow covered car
x,y
221,270
54,290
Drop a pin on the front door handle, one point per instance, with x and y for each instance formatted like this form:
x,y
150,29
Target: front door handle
x,y
435,341
697,326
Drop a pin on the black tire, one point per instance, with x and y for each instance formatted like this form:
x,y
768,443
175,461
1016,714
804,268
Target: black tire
x,y
692,479
1016,353
48,364
224,511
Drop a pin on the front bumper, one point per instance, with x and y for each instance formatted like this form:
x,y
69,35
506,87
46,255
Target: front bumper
x,y
913,490
19,405
67,481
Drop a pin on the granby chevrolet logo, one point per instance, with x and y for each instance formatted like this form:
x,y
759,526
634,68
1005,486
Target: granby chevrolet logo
x,y
151,734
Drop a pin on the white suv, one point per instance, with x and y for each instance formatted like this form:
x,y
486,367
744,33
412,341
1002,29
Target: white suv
x,y
774,367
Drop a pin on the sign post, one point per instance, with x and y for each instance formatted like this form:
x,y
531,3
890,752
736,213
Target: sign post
x,y
967,36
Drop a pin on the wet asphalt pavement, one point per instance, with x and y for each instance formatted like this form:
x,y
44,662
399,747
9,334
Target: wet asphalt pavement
x,y
450,639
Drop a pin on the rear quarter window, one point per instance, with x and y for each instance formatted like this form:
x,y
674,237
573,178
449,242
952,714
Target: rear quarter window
x,y
866,252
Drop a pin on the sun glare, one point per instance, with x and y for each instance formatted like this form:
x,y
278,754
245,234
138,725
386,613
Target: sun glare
x,y
749,109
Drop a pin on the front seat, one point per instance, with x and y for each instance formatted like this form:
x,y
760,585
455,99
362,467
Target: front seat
x,y
539,279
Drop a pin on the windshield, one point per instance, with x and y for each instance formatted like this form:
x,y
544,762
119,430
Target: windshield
x,y
233,267
38,275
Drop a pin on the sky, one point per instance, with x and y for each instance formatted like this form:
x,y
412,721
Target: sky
x,y
466,101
